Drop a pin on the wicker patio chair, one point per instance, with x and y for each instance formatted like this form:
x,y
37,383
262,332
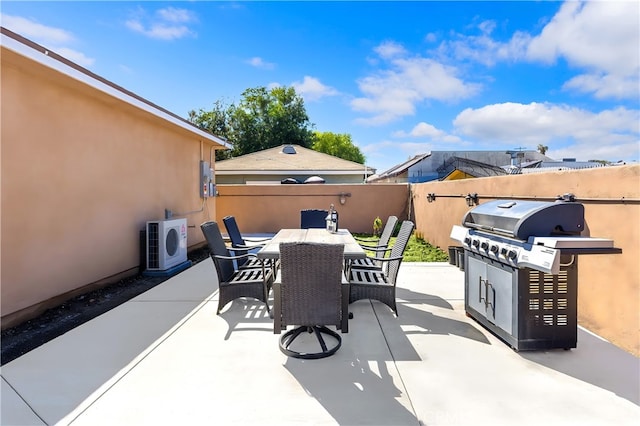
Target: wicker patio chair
x,y
235,283
240,246
380,284
237,239
310,292
380,249
313,218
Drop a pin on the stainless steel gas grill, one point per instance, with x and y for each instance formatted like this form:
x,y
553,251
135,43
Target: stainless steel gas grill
x,y
521,269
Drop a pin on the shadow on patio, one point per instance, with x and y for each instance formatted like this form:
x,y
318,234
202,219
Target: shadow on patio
x,y
166,357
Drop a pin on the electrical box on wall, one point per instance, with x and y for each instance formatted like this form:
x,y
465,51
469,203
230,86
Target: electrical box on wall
x,y
207,187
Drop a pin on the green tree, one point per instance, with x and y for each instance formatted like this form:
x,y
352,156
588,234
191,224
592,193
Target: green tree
x,y
542,149
268,118
217,122
338,145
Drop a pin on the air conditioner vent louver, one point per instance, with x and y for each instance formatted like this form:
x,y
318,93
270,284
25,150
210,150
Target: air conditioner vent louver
x,y
166,244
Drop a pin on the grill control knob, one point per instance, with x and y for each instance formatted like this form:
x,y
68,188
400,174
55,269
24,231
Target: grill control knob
x,y
494,249
484,245
512,254
503,252
475,243
467,240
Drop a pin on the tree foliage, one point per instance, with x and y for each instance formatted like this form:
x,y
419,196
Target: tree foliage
x,y
263,119
266,118
338,145
217,121
542,149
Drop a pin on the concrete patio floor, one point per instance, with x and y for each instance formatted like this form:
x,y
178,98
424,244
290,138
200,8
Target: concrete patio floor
x,y
165,357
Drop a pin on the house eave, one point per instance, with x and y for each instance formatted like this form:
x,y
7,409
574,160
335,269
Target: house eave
x,y
41,55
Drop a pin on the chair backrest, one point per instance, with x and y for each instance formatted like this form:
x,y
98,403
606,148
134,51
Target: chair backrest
x,y
235,236
313,218
217,247
402,240
234,232
311,280
389,227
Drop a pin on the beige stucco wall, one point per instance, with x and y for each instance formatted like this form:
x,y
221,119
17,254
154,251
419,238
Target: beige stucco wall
x,y
269,208
82,172
608,285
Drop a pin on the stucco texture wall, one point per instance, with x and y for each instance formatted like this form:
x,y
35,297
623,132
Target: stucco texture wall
x,y
269,208
608,285
82,172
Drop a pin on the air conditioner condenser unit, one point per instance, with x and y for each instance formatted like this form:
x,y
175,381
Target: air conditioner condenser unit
x,y
166,244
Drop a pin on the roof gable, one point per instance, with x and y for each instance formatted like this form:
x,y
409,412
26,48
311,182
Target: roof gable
x,y
299,159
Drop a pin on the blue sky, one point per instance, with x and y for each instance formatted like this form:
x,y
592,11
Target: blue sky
x,y
402,78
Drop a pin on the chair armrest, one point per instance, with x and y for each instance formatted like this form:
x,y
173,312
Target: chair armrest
x,y
248,246
241,256
241,249
367,240
256,239
376,249
385,259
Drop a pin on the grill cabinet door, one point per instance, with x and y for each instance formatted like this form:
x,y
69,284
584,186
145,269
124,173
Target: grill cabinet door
x,y
476,270
500,297
490,291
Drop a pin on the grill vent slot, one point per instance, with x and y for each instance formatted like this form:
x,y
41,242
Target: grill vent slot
x,y
548,299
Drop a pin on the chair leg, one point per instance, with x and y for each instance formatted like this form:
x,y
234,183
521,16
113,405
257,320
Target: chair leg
x,y
287,339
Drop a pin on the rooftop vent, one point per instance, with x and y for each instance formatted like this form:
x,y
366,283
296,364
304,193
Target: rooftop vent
x,y
288,149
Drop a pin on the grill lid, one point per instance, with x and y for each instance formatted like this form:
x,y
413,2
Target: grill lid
x,y
523,219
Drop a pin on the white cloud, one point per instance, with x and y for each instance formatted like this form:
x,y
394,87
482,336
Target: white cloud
x,y
311,89
55,39
600,37
514,125
482,48
392,93
75,56
167,24
258,62
426,130
605,86
171,14
390,49
37,32
431,38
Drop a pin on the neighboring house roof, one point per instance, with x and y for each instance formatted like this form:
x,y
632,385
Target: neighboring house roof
x,y
403,167
52,60
470,168
290,160
434,160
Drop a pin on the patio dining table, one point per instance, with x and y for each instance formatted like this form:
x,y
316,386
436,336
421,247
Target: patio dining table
x,y
352,249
